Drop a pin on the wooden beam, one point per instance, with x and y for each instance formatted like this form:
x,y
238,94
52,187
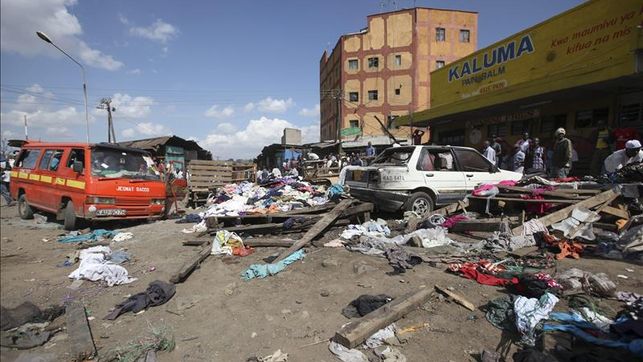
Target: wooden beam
x,y
268,243
477,225
81,343
528,201
321,225
462,238
623,214
191,264
457,297
564,213
356,332
556,193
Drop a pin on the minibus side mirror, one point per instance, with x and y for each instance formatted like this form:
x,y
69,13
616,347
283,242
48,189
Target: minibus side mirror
x,y
77,166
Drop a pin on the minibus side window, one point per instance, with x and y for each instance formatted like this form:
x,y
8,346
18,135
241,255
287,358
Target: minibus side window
x,y
55,160
44,161
76,154
28,159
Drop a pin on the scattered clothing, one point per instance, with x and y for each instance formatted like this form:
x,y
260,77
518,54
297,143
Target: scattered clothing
x,y
482,272
373,228
364,304
91,237
597,284
346,354
500,313
201,227
157,293
401,259
535,285
579,224
264,270
119,257
530,311
122,236
382,336
27,312
95,266
190,218
224,242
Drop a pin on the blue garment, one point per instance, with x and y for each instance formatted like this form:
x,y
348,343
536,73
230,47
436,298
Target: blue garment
x,y
335,192
89,237
264,270
370,151
577,325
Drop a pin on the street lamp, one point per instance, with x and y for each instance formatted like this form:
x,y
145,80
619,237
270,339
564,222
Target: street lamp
x,y
44,37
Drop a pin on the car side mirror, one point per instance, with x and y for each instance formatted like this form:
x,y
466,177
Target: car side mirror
x,y
77,167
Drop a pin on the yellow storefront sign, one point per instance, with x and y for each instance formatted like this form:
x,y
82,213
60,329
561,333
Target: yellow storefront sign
x,y
593,42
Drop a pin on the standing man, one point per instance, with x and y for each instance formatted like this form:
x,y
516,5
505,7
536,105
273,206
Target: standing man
x,y
417,136
535,158
562,156
370,150
489,153
523,143
497,148
4,187
518,160
603,140
631,154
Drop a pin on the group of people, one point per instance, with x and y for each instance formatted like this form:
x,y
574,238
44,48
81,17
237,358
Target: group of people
x,y
528,155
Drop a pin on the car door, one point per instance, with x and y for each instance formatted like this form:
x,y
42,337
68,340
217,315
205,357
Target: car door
x,y
47,169
441,174
477,170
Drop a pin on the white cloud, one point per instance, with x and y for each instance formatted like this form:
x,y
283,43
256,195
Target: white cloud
x,y
147,129
132,107
158,31
274,105
226,128
8,134
249,107
36,88
19,20
217,112
135,71
248,142
123,19
313,112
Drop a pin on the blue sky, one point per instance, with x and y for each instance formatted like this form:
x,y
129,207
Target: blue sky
x,y
230,74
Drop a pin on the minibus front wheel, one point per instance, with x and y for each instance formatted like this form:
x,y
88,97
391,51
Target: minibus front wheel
x,y
69,215
25,211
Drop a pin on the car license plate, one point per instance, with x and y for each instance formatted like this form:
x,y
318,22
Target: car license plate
x,y
111,212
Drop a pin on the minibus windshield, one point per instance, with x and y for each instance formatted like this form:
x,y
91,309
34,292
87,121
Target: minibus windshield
x,y
122,163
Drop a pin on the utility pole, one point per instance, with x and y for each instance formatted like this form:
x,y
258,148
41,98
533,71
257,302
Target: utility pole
x,y
106,103
338,98
26,130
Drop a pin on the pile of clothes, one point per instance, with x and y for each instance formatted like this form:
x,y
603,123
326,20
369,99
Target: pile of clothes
x,y
282,194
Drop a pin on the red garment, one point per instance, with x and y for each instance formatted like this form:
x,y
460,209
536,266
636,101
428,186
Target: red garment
x,y
481,272
508,183
623,135
452,220
241,251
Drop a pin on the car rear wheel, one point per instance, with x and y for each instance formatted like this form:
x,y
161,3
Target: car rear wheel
x,y
420,203
69,216
25,211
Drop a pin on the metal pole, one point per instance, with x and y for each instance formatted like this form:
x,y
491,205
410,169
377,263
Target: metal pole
x,y
26,130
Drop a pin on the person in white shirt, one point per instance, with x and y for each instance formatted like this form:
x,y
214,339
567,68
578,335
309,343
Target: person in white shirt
x,y
631,154
4,186
519,161
488,152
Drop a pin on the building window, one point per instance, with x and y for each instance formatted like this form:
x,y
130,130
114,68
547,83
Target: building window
x,y
398,91
373,62
354,123
372,95
590,118
465,36
398,60
549,124
520,127
353,64
498,129
439,64
353,96
440,34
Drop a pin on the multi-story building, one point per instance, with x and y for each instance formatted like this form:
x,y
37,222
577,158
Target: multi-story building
x,y
383,70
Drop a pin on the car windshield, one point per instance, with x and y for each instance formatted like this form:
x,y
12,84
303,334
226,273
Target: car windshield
x,y
122,163
395,155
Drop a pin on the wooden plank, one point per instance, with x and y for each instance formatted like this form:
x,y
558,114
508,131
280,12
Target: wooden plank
x,y
457,297
524,190
623,214
187,267
462,238
449,209
81,343
564,213
274,242
356,332
321,225
477,225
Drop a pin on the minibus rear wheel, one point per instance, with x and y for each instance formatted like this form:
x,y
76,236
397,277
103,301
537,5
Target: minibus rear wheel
x,y
25,211
69,216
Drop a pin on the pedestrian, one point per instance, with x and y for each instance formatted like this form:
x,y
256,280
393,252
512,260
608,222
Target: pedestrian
x,y
523,143
497,148
370,150
535,157
489,153
561,161
4,186
602,150
518,160
417,136
631,154
356,160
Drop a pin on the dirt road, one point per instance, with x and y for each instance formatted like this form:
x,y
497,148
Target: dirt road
x,y
216,316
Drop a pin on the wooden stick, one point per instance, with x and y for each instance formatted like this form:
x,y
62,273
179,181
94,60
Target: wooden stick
x,y
321,225
457,297
355,333
191,264
564,213
268,243
80,335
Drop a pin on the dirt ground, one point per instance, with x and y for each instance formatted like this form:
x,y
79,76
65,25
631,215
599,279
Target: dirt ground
x,y
216,316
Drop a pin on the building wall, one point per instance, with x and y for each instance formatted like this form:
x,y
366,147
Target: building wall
x,y
404,44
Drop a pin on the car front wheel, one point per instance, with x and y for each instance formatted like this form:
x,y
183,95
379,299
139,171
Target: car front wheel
x,y
420,203
25,211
